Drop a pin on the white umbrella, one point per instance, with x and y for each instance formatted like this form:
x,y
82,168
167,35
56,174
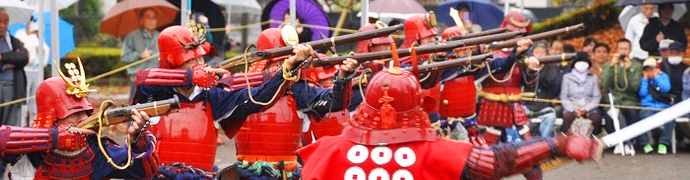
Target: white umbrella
x,y
61,4
17,10
629,11
247,5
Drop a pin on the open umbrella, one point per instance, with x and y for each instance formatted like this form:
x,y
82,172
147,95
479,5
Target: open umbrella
x,y
399,9
308,12
245,5
17,10
639,2
482,12
66,33
61,4
629,11
123,18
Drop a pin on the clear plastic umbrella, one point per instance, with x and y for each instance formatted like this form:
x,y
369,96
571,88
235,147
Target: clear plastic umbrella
x,y
17,10
61,4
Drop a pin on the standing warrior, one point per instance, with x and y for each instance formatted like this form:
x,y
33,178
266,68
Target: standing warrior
x,y
274,134
390,137
332,124
183,73
59,150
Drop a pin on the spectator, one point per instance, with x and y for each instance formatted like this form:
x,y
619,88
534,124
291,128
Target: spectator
x,y
580,95
662,28
548,113
556,47
672,64
621,77
588,46
464,14
599,56
654,90
13,58
635,30
34,69
141,43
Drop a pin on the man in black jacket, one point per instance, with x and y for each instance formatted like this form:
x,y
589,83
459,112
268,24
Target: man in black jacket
x,y
662,28
13,58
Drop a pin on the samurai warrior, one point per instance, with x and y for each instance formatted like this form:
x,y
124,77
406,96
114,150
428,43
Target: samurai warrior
x,y
213,105
390,137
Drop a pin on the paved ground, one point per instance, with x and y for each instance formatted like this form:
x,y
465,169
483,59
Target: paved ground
x,y
640,166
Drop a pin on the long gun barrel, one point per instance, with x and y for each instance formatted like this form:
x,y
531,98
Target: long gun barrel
x,y
420,50
478,34
120,115
480,58
537,37
452,63
320,44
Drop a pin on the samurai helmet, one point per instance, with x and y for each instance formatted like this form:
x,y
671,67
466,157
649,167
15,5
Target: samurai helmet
x,y
363,46
59,97
515,21
316,74
391,113
178,44
272,38
419,27
451,32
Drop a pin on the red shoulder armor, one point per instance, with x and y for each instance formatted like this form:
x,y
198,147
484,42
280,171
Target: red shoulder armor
x,y
176,77
239,80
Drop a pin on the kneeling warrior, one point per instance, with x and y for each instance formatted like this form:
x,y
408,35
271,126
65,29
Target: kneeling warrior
x,y
390,137
59,150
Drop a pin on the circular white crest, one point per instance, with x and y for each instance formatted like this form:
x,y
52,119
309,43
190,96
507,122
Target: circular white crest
x,y
355,173
379,174
357,154
405,157
402,175
381,155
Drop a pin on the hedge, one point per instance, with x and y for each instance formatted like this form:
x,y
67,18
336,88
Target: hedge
x,y
596,16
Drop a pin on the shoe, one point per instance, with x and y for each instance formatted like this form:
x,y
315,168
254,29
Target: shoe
x,y
629,150
618,149
661,149
648,148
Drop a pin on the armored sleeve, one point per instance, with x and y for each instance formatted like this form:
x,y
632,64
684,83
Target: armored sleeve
x,y
500,161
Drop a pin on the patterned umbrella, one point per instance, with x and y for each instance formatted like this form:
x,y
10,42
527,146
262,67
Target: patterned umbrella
x,y
482,12
308,12
123,18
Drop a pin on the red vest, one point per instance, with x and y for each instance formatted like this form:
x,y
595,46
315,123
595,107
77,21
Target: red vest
x,y
458,98
271,135
187,136
338,158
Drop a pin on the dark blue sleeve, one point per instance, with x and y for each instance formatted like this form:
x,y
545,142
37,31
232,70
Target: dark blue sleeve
x,y
228,105
499,65
357,98
148,93
103,169
314,100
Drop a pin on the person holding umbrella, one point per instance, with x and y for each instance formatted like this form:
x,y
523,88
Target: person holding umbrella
x,y
662,28
13,58
141,43
636,28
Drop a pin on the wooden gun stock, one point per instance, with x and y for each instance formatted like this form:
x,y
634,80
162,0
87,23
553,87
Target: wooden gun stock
x,y
557,58
121,115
